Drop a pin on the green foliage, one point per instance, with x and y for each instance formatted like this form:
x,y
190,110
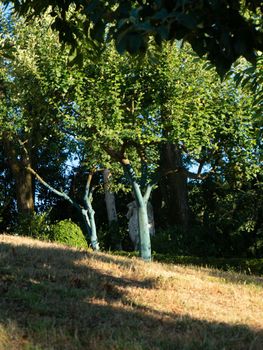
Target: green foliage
x,y
69,233
112,237
220,30
232,215
36,82
251,77
35,225
130,107
176,241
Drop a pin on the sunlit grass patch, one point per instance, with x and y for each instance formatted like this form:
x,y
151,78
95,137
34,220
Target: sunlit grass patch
x,y
56,297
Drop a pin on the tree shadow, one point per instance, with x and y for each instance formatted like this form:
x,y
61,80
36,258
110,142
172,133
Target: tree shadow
x,y
58,303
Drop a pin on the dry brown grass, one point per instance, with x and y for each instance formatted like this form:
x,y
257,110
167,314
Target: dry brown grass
x,y
55,297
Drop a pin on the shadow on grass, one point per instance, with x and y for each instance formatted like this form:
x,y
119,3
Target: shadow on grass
x,y
57,303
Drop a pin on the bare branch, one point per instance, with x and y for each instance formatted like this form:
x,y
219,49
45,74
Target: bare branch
x,y
58,193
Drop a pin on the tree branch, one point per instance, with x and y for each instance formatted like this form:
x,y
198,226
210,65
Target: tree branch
x,y
58,193
147,193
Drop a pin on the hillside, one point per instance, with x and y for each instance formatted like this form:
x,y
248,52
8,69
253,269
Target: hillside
x,y
55,297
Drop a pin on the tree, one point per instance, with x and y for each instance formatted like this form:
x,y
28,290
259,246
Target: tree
x,y
110,95
7,195
33,83
199,117
128,109
221,30
228,209
86,211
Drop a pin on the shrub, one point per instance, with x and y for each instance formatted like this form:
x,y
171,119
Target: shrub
x,y
67,232
112,237
195,241
35,225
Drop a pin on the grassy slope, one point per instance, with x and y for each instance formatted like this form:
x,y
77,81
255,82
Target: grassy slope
x,y
54,297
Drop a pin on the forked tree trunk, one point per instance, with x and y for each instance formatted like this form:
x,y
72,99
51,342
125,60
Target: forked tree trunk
x,y
90,213
87,213
141,201
90,227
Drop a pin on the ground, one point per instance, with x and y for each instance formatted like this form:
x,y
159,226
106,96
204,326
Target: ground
x,y
56,297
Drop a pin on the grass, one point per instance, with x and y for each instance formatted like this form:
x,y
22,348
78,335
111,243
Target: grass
x,y
243,265
56,297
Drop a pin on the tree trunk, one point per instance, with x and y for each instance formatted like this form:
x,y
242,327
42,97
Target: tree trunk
x,y
87,213
88,195
144,232
174,186
141,201
90,227
111,213
23,178
24,192
109,198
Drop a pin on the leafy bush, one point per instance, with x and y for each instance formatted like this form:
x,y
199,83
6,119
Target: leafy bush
x,y
35,225
112,237
231,213
67,232
176,241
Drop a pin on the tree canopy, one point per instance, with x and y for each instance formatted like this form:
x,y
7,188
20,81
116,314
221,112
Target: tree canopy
x,y
220,30
161,115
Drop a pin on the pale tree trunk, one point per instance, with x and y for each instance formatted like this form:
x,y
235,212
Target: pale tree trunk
x,y
90,226
141,201
90,213
111,212
109,198
87,212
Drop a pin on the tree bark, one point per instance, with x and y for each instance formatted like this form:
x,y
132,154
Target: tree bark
x,y
23,179
141,201
90,227
87,213
109,198
90,213
144,232
111,213
24,192
174,186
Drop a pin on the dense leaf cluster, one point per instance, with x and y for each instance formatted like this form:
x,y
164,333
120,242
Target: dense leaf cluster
x,y
221,30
